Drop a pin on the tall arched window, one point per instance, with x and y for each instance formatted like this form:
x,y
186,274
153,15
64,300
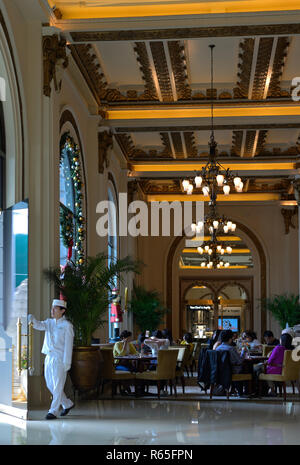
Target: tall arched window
x,y
112,251
72,231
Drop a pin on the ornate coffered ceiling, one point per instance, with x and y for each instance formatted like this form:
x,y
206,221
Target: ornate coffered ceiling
x,y
150,78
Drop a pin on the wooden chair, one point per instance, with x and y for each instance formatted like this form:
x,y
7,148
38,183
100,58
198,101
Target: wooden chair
x,y
165,371
195,355
290,372
189,360
267,349
110,374
183,355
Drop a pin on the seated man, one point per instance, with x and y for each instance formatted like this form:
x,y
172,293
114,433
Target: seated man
x,y
156,342
270,340
252,340
236,359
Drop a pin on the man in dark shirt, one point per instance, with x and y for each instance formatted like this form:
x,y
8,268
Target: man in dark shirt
x,y
270,340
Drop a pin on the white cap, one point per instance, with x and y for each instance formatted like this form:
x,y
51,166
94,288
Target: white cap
x,y
59,303
289,331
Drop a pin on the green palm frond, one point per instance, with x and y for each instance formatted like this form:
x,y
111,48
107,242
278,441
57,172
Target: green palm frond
x,y
147,308
285,308
87,289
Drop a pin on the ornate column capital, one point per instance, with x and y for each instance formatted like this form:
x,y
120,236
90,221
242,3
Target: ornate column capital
x,y
105,141
54,57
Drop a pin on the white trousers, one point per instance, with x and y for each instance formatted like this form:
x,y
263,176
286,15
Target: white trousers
x,y
55,376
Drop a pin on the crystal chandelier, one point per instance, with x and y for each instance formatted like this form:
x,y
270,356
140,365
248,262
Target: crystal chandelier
x,y
215,222
213,252
213,176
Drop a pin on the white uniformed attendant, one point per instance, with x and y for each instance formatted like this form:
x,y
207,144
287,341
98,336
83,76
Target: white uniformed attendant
x,y
58,347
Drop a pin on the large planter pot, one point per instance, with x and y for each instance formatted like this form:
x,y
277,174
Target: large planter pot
x,y
85,369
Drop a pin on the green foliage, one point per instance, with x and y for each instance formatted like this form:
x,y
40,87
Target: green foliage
x,y
285,308
147,308
87,288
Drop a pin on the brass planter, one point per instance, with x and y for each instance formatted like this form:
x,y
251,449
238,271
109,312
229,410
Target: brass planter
x,y
85,369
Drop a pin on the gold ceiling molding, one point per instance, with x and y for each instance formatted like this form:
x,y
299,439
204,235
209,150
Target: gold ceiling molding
x,y
54,55
219,112
175,166
245,197
187,33
81,10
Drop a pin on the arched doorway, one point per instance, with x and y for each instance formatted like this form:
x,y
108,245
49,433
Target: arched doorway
x,y
253,280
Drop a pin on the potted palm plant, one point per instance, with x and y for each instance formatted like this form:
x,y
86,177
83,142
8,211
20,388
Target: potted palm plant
x,y
87,289
147,308
285,308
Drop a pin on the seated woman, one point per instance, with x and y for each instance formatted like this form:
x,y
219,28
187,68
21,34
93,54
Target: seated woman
x,y
275,360
251,339
124,347
156,342
187,340
166,334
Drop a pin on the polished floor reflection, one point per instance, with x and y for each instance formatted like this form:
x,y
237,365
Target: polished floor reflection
x,y
140,422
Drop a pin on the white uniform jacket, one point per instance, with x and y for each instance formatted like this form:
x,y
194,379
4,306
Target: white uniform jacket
x,y
59,336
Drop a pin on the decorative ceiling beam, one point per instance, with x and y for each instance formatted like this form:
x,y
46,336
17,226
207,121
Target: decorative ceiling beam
x,y
179,70
147,71
220,127
248,197
178,33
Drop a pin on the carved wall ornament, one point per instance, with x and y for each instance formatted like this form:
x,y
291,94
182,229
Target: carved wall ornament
x,y
105,141
288,214
54,56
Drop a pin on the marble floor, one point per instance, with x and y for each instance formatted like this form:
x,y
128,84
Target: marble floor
x,y
164,422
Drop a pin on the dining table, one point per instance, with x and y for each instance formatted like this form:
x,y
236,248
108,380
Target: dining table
x,y
140,363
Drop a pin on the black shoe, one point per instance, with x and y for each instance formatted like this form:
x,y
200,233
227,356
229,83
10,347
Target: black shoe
x,y
66,411
50,416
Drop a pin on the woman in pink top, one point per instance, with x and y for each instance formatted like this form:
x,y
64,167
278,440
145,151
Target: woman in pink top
x,y
275,361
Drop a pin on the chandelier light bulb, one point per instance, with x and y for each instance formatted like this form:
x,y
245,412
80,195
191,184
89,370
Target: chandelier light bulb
x,y
206,248
193,227
200,224
225,228
209,251
198,181
233,227
227,264
237,181
229,224
210,264
203,264
205,191
211,229
198,230
221,263
226,189
220,180
200,250
222,251
239,188
190,189
229,249
215,224
185,184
